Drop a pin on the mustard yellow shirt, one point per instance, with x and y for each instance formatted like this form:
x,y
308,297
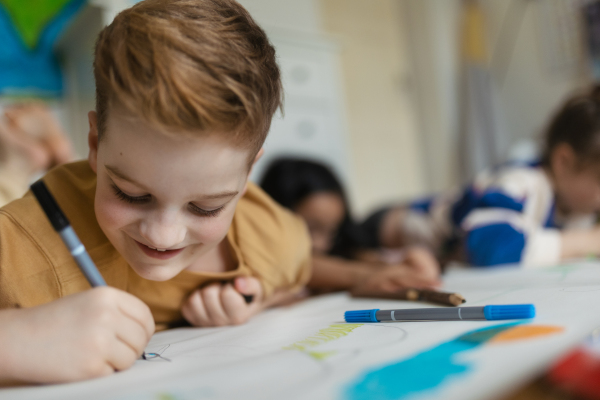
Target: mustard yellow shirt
x,y
266,241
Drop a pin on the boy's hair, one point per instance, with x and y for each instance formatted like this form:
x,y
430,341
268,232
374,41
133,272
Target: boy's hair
x,y
577,123
193,65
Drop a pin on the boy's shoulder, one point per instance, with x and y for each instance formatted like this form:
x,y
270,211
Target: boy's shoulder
x,y
259,214
73,186
35,266
273,241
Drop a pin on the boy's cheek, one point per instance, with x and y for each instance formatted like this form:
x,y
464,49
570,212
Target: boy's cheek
x,y
211,230
111,213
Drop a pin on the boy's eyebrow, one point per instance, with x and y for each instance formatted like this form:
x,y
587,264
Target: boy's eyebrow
x,y
220,195
115,171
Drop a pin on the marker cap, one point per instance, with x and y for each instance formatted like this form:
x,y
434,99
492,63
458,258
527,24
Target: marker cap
x,y
511,311
361,316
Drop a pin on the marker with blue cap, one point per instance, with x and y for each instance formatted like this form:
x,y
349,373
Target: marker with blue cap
x,y
489,313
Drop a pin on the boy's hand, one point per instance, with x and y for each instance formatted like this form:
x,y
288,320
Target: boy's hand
x,y
81,336
224,304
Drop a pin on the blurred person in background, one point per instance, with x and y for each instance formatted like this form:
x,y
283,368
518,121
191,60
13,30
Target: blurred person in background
x,y
345,257
533,214
31,142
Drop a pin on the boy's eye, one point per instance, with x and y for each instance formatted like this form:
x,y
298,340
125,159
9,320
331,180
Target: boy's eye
x,y
147,198
205,213
131,199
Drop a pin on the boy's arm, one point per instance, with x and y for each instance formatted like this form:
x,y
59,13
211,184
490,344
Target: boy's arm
x,y
81,336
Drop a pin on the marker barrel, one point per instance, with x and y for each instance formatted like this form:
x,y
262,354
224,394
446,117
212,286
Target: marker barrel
x,y
82,258
434,314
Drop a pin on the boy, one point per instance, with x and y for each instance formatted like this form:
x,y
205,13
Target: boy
x,y
185,93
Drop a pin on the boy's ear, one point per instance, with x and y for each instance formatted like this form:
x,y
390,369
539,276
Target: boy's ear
x,y
256,158
93,140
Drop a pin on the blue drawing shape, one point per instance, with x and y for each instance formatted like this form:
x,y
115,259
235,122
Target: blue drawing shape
x,y
423,372
24,71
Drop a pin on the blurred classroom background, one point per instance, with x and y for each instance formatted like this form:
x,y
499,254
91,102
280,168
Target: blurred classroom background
x,y
402,98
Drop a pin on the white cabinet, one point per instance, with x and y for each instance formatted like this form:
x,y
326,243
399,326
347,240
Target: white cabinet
x,y
313,124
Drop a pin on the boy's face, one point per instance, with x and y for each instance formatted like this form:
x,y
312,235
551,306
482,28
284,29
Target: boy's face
x,y
165,202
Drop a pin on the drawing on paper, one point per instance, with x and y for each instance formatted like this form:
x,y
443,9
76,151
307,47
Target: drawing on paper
x,y
406,377
334,340
325,335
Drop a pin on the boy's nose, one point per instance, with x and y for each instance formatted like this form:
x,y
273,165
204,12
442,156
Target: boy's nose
x,y
163,232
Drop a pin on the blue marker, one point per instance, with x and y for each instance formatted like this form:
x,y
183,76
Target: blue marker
x,y
490,313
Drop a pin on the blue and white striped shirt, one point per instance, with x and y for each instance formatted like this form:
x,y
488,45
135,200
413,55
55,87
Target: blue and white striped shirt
x,y
506,215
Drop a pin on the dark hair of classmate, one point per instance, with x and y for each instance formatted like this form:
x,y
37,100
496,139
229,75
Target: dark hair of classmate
x,y
576,123
290,181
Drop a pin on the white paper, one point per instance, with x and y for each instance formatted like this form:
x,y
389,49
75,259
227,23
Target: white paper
x,y
307,351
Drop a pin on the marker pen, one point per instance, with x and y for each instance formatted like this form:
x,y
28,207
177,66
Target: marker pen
x,y
490,313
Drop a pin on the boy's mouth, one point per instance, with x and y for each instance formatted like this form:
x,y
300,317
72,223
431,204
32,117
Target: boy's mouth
x,y
161,254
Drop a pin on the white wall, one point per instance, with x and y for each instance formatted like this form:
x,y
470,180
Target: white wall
x,y
301,15
383,132
432,28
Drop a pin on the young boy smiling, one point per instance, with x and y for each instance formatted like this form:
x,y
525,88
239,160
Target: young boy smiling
x,y
185,93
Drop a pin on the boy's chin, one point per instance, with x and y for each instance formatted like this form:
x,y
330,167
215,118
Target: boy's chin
x,y
156,273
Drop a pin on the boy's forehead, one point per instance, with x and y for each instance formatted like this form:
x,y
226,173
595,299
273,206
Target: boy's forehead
x,y
128,126
135,145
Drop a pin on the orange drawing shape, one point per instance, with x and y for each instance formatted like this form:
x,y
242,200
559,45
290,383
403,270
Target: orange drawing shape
x,y
526,332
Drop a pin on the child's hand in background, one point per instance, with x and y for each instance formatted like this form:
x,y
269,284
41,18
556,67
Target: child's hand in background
x,y
391,278
36,133
224,304
423,264
81,336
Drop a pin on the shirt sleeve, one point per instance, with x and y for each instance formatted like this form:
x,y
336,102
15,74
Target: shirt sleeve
x,y
273,242
27,277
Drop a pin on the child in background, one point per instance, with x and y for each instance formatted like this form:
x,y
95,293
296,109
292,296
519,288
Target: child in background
x,y
341,256
535,215
185,93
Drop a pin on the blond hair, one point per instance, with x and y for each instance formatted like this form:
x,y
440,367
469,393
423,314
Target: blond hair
x,y
191,65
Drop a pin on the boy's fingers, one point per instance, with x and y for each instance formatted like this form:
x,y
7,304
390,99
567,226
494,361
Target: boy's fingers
x,y
234,305
211,296
194,310
249,286
131,333
121,356
138,311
